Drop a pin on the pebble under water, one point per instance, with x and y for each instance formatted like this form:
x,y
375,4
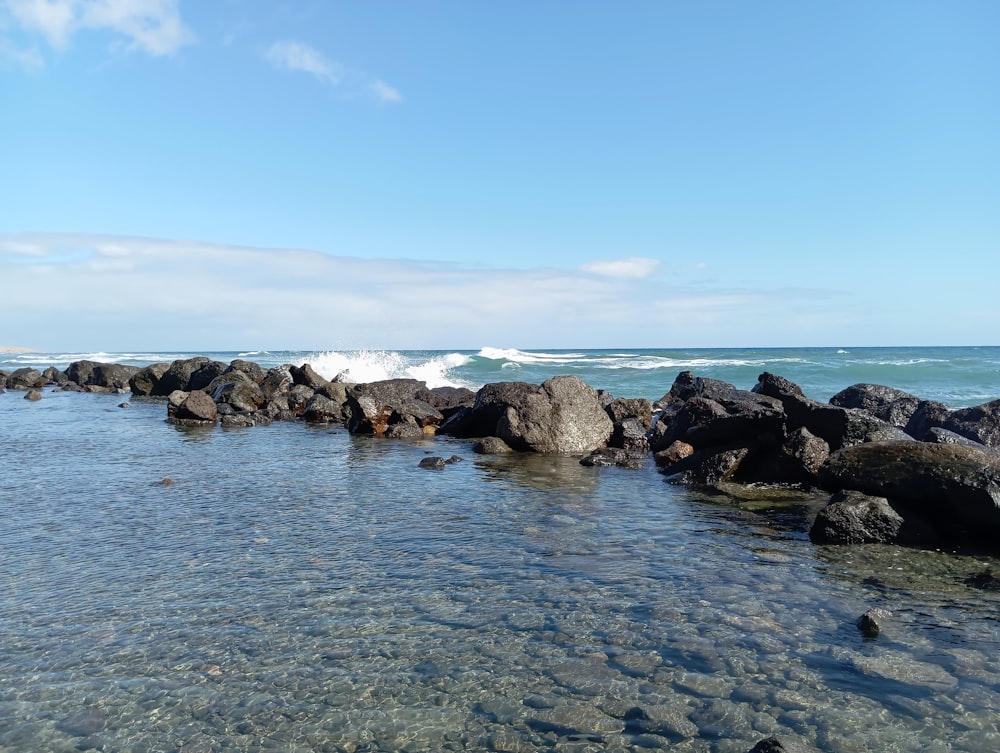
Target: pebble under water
x,y
298,589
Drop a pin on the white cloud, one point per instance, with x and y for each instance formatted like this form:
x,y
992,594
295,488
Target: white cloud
x,y
153,26
118,293
633,266
290,55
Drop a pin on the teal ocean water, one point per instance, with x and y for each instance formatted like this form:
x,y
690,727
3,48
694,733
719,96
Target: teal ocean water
x,y
295,588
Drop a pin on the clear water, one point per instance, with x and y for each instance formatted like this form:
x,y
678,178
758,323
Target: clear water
x,y
299,589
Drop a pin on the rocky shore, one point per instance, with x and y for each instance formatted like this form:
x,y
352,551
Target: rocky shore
x,y
899,469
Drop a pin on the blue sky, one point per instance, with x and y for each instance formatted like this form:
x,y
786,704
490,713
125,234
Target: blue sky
x,y
242,174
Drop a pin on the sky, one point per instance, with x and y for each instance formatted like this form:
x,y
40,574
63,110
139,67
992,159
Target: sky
x,y
333,174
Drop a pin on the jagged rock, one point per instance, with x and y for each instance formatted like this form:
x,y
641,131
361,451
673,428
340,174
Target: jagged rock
x,y
54,375
928,415
711,466
631,435
306,375
297,398
937,435
797,461
621,409
432,463
322,410
956,487
980,423
676,452
277,382
449,400
238,389
373,407
144,382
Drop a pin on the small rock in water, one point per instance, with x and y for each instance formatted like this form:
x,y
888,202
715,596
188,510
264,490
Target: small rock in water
x,y
33,394
124,405
870,623
434,463
83,722
453,459
776,745
167,482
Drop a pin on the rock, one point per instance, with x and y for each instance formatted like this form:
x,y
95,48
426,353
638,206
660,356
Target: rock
x,y
433,463
189,374
482,418
450,400
984,581
676,452
955,487
124,405
980,423
797,461
372,407
197,407
81,372
871,622
778,745
403,430
630,434
83,722
238,389
144,382
609,456
320,409
577,720
886,403
277,382
113,376
664,721
491,446
938,435
33,394
928,415
25,378
306,375
251,369
54,375
298,398
563,415
853,517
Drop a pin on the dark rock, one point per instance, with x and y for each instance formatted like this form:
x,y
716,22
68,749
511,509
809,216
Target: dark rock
x,y
928,415
615,456
234,420
984,581
797,461
306,375
686,386
124,405
871,622
450,400
778,745
55,376
373,407
277,382
25,378
238,389
980,423
81,372
403,430
298,398
937,435
251,369
490,404
887,403
956,487
196,407
710,466
113,376
189,374
322,410
853,517
621,409
434,463
630,434
491,446
33,394
144,382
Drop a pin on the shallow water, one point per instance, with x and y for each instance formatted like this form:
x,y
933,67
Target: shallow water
x,y
299,589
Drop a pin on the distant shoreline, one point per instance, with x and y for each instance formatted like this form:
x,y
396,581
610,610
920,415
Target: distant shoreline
x,y
15,349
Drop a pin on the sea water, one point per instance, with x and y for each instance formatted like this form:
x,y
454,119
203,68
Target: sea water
x,y
295,588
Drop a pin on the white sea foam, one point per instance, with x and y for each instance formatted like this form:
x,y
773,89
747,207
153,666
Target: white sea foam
x,y
376,365
523,356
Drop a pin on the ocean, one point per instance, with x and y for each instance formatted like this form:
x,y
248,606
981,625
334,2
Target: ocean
x,y
295,588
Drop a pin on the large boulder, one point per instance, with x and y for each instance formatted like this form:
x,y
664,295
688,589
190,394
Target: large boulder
x,y
305,374
251,369
113,376
562,415
980,423
956,487
887,403
237,389
196,407
374,407
25,378
189,374
146,379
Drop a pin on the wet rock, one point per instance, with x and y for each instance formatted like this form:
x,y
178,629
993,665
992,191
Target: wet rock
x,y
939,435
796,461
371,408
433,463
83,722
404,430
33,394
196,407
871,622
928,415
676,452
320,409
661,720
980,423
188,374
779,745
237,389
615,456
124,405
277,382
956,487
54,375
853,517
491,446
577,720
115,377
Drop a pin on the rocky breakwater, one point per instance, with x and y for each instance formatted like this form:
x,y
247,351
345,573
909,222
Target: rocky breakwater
x,y
900,469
